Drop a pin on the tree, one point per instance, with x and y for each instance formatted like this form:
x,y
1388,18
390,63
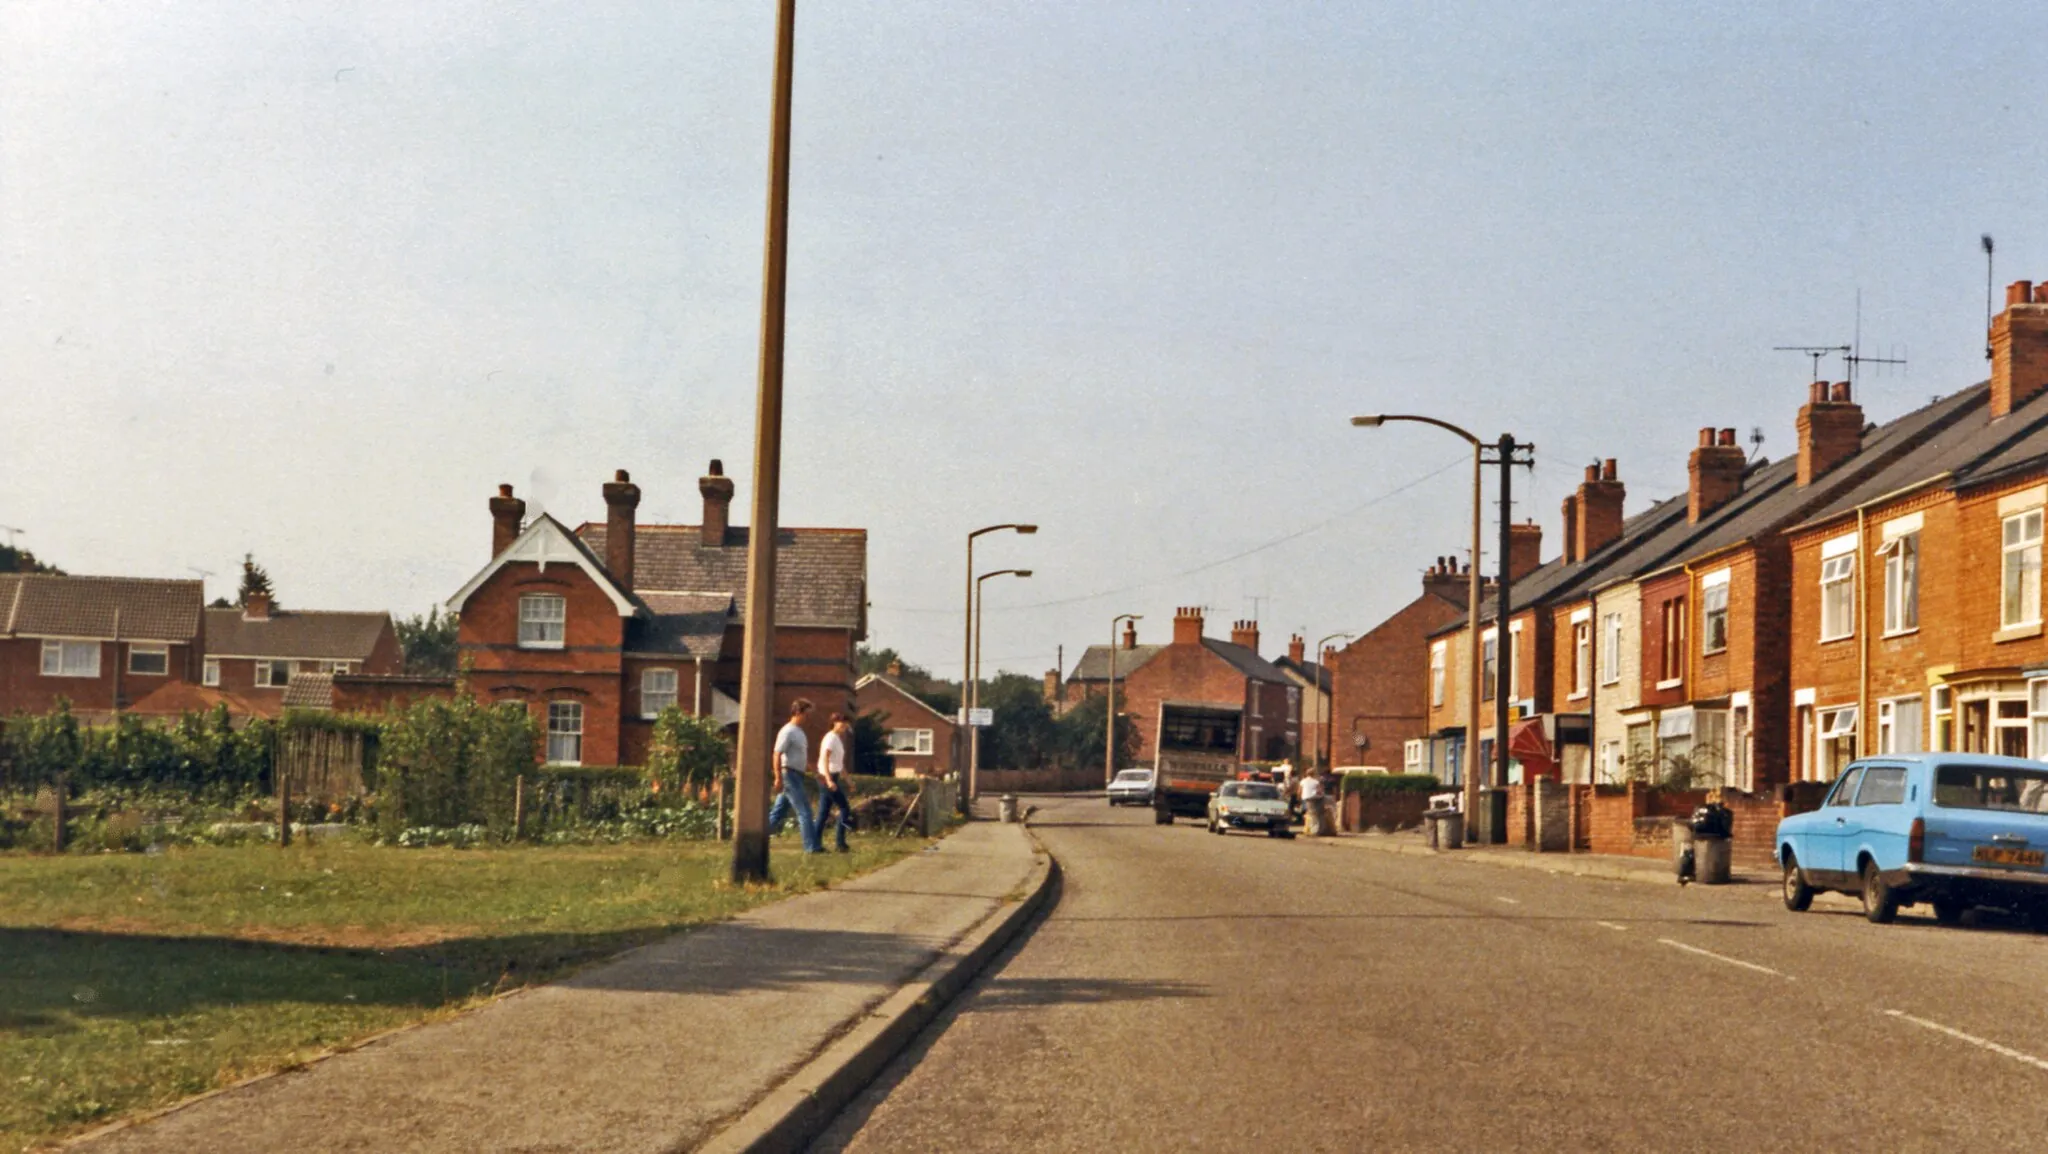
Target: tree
x,y
1023,734
428,642
254,580
687,750
1081,734
14,560
871,746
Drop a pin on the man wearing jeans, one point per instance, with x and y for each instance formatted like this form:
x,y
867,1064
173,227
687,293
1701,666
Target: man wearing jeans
x,y
792,755
832,769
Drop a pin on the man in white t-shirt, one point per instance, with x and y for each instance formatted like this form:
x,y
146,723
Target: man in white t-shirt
x,y
832,770
792,757
1312,804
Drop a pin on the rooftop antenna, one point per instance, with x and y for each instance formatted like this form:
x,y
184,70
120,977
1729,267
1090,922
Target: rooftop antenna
x,y
1756,441
1855,357
11,531
1816,352
1257,599
1987,296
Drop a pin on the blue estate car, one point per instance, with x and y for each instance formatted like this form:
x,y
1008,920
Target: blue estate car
x,y
1952,829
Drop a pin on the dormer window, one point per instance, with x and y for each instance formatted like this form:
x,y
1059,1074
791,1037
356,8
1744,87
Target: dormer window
x,y
541,618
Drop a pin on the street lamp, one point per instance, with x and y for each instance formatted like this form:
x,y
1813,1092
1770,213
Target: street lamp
x,y
1323,710
1109,743
974,731
967,645
1374,421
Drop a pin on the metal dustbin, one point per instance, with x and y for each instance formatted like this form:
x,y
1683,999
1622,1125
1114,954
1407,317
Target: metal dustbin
x,y
1700,844
1447,829
1006,807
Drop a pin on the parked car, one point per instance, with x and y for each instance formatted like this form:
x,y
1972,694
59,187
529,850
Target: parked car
x,y
1948,829
1249,805
1131,787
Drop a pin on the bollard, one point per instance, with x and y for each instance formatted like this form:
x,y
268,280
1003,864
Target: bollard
x,y
518,806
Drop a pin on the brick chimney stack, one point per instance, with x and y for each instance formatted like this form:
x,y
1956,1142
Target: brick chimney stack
x,y
895,667
1571,520
1187,625
1052,687
1447,580
1830,430
2019,347
621,498
257,608
1296,649
508,517
1130,635
1716,467
1525,549
1245,633
1598,502
717,490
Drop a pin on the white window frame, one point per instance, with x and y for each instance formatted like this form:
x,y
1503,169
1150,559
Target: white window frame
x,y
265,673
2037,719
1831,726
1838,597
653,697
1713,610
1412,755
911,741
543,620
565,733
1901,584
2020,557
1610,640
209,673
1436,673
137,650
1489,670
64,657
1893,723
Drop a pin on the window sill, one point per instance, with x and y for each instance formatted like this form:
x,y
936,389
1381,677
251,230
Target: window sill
x,y
542,645
1673,683
1842,637
75,676
1713,652
2017,632
1891,633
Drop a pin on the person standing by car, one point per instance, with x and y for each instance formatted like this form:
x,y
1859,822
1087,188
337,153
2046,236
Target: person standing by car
x,y
1312,805
832,772
792,759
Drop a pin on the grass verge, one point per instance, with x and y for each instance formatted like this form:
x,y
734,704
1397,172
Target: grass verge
x,y
130,981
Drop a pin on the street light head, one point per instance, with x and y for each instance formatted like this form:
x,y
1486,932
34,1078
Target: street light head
x,y
1369,421
1027,529
1021,572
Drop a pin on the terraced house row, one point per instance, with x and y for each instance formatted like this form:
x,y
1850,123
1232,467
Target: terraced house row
x,y
1878,590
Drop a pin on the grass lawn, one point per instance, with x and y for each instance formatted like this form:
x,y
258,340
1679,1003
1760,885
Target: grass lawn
x,y
132,980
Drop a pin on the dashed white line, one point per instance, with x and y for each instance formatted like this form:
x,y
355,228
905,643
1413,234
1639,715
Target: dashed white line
x,y
1612,926
1510,901
1724,958
1980,1043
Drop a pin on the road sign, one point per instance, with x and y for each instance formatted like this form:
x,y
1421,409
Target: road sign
x,y
981,717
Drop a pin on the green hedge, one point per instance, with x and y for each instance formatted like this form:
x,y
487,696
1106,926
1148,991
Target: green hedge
x,y
1374,783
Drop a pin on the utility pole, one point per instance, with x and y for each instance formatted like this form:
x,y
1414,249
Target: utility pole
x,y
755,773
1507,453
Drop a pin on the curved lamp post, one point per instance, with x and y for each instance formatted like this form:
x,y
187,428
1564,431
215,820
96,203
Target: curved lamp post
x,y
974,731
1326,748
1471,757
967,644
1109,742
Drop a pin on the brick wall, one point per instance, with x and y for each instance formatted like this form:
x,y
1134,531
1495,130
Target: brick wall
x,y
24,689
1383,811
1380,686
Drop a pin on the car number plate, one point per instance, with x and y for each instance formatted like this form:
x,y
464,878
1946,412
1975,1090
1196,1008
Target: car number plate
x,y
2000,855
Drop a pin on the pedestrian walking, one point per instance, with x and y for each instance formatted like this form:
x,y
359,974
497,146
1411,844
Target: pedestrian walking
x,y
1312,805
832,772
792,758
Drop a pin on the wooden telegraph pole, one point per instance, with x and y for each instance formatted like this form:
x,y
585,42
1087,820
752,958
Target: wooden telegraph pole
x,y
757,668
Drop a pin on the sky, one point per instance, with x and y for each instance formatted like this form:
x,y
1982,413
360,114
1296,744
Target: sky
x,y
309,280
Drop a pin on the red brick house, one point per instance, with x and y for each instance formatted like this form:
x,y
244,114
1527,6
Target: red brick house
x,y
1092,671
1381,683
101,643
255,652
1205,670
920,737
598,629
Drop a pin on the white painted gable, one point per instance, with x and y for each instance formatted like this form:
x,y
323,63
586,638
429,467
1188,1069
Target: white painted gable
x,y
546,542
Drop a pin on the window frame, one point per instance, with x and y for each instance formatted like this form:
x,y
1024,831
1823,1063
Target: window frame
x,y
2030,574
63,645
1489,665
1438,662
262,672
1582,658
1611,643
1714,613
148,650
1901,584
673,694
209,672
568,710
537,637
1838,580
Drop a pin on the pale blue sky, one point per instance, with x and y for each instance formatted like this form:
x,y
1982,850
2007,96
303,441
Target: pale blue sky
x,y
310,279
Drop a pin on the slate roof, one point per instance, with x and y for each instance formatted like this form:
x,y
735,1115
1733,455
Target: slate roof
x,y
1094,664
301,634
1313,672
821,574
150,609
1247,662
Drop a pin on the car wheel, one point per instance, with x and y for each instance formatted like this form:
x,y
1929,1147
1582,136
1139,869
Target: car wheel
x,y
1276,831
1880,901
1949,911
1162,817
1798,895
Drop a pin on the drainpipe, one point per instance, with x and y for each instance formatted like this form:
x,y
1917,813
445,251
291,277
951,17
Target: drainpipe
x,y
1862,636
697,705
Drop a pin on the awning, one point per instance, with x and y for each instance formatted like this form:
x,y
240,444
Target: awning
x,y
1528,744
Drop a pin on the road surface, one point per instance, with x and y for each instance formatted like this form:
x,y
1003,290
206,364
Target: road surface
x,y
1191,991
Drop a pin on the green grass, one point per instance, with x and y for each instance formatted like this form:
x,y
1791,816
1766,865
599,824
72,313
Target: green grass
x,y
129,981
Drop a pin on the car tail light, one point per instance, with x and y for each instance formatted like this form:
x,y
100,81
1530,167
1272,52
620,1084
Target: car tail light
x,y
1916,841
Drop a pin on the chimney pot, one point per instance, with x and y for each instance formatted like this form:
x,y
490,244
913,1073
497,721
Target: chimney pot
x,y
1714,473
2019,292
508,517
1728,437
2019,348
1593,472
1830,430
1840,393
621,498
1818,394
1706,436
1607,469
716,489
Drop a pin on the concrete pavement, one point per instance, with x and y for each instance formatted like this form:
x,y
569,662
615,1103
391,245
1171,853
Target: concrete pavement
x,y
1191,991
1611,867
667,1046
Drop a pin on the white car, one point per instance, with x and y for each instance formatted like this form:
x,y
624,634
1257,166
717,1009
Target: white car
x,y
1131,787
1249,805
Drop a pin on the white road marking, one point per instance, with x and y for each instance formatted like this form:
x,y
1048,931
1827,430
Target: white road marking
x,y
1724,958
1510,901
1980,1043
1612,926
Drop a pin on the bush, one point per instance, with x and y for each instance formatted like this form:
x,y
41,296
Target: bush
x,y
1375,783
202,753
449,762
686,750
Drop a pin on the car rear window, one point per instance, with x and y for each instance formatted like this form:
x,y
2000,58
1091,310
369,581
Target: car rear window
x,y
1258,791
1134,775
1882,785
1996,787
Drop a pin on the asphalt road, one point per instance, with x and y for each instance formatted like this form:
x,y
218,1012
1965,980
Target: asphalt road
x,y
1190,991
